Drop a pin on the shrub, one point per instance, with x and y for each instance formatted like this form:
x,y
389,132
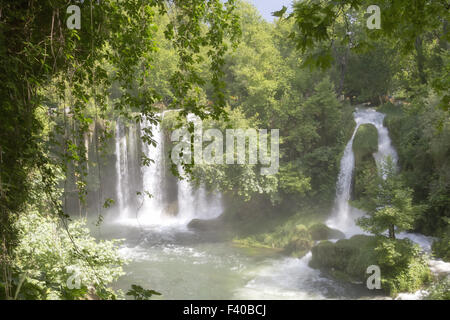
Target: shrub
x,y
300,242
403,268
52,263
440,290
441,248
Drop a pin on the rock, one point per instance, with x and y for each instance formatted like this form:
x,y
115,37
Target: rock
x,y
348,260
364,146
320,231
204,225
345,255
171,209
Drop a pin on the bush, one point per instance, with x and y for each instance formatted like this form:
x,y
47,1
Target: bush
x,y
403,268
364,146
366,142
440,290
300,242
51,264
441,248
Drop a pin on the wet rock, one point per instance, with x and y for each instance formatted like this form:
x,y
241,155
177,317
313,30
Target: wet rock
x,y
320,231
204,225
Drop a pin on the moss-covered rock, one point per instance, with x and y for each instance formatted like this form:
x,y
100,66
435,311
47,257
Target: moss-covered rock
x,y
364,146
365,142
403,269
320,231
346,255
206,225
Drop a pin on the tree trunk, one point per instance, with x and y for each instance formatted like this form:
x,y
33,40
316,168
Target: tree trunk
x,y
420,58
391,232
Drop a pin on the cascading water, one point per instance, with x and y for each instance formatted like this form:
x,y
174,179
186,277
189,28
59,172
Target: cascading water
x,y
163,202
197,203
188,265
121,169
153,177
343,217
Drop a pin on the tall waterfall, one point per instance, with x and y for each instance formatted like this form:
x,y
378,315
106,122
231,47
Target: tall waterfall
x,y
343,216
164,200
121,169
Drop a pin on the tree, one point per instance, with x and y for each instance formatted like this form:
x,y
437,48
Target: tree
x,y
388,202
37,50
407,25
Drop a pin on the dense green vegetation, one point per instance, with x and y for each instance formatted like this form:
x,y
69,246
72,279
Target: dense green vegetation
x,y
63,90
404,269
420,132
50,263
62,85
364,146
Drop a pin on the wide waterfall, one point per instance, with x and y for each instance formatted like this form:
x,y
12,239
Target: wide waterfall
x,y
162,199
343,216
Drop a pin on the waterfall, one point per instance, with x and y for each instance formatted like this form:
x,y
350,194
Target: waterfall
x,y
196,203
121,169
164,200
343,216
153,175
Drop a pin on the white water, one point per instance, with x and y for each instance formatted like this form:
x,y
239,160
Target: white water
x,y
344,216
196,203
121,170
287,279
183,265
153,207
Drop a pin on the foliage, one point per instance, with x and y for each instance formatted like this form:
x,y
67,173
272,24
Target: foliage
x,y
365,144
294,240
63,89
140,293
239,180
105,63
300,243
421,134
440,290
404,265
267,83
441,247
60,264
294,235
403,268
389,203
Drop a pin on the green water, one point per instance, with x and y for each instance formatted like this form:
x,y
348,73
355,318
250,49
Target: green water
x,y
183,264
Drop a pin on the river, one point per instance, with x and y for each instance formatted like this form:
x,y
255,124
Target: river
x,y
183,264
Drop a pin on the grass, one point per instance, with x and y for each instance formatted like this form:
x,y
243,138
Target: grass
x,y
292,232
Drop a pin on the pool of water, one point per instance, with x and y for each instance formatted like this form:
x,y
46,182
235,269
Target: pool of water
x,y
183,264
